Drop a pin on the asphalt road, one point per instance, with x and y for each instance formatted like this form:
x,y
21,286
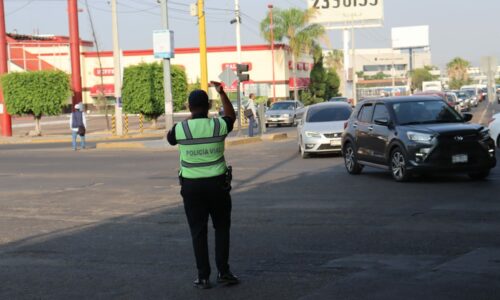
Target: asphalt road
x,y
110,225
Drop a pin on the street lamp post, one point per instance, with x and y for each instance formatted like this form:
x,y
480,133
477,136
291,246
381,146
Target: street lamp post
x,y
271,25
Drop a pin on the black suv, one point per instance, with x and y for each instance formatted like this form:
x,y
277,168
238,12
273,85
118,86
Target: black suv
x,y
417,134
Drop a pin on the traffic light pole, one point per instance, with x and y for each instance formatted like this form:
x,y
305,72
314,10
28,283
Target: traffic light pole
x,y
5,120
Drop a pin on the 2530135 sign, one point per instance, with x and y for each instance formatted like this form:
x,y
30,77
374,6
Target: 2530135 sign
x,y
343,13
318,4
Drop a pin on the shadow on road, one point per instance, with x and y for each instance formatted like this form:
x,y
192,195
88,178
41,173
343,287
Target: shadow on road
x,y
287,236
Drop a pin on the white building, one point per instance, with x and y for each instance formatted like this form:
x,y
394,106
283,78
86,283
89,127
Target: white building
x,y
31,53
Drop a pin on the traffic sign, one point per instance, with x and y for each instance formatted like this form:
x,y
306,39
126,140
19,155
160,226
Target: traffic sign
x,y
227,76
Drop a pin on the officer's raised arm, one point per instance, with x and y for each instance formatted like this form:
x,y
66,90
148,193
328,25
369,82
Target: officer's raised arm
x,y
228,107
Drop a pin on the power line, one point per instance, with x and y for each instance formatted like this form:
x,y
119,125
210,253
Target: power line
x,y
19,8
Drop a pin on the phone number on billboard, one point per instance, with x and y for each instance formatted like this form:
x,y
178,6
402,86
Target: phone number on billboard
x,y
345,3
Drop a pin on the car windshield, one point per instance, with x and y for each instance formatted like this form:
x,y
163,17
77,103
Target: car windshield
x,y
328,114
470,92
282,106
425,112
462,95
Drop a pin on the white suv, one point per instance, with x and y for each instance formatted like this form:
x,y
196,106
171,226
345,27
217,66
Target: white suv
x,y
495,129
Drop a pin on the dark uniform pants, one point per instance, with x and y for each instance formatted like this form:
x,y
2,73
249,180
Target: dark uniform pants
x,y
204,197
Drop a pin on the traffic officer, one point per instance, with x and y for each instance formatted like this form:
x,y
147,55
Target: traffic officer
x,y
205,181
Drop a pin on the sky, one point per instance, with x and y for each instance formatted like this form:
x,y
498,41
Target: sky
x,y
469,29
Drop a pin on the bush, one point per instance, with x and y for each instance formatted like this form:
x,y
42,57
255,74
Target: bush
x,y
36,93
143,93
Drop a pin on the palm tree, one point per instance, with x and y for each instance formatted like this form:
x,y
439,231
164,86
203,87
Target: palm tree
x,y
457,69
335,60
293,25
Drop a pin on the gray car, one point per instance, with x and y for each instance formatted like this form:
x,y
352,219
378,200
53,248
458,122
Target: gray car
x,y
284,113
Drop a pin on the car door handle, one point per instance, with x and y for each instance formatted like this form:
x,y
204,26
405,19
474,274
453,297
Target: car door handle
x,y
355,125
370,128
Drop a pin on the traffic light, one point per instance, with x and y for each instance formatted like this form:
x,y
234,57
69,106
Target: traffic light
x,y
240,68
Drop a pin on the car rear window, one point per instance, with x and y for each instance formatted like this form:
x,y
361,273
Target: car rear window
x,y
328,114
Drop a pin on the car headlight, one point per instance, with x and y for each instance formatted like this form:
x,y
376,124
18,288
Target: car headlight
x,y
484,134
285,115
419,137
313,134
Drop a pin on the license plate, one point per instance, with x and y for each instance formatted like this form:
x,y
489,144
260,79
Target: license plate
x,y
335,142
459,158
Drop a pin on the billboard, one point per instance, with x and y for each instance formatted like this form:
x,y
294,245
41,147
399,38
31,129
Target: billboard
x,y
410,37
339,14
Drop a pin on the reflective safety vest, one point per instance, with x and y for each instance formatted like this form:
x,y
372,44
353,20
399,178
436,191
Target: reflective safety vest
x,y
201,147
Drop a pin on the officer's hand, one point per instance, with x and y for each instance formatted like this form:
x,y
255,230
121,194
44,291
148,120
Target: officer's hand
x,y
218,86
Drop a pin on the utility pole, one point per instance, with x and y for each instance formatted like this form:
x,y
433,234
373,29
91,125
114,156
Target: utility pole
x,y
271,26
117,70
353,49
74,42
238,29
5,120
203,46
167,81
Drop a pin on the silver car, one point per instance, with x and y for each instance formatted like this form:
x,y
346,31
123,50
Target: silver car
x,y
284,113
321,128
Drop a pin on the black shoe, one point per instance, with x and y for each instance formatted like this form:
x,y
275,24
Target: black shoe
x,y
202,284
227,278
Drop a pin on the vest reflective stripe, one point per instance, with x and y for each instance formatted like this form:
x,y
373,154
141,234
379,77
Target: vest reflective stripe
x,y
199,165
201,147
187,131
216,128
199,141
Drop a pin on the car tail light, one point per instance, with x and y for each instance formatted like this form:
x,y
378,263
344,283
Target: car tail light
x,y
346,124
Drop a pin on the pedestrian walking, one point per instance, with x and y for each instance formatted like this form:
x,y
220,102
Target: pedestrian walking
x,y
251,113
78,125
205,182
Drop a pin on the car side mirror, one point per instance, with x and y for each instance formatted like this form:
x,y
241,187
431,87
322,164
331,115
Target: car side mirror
x,y
467,117
382,122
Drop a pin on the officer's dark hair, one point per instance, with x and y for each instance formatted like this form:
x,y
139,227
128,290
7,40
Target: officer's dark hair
x,y
198,101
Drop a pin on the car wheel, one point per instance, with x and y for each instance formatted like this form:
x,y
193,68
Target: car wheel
x,y
480,175
498,141
398,163
350,161
267,125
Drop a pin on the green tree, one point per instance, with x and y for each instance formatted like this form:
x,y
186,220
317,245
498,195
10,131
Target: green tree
x,y
293,25
457,72
420,75
36,93
142,90
317,84
332,82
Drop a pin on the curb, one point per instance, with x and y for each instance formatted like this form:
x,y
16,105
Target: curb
x,y
229,143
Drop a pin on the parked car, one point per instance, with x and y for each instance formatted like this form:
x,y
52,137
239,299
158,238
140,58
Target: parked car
x,y
320,130
409,135
498,96
284,113
494,127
